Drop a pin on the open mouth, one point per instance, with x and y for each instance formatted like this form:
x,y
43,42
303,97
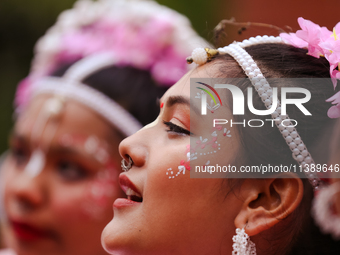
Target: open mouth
x,y
132,195
130,189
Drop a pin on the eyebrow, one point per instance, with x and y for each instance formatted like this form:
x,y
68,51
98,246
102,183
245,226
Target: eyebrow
x,y
173,100
14,135
60,149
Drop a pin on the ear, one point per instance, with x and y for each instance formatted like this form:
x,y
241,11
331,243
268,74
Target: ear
x,y
268,201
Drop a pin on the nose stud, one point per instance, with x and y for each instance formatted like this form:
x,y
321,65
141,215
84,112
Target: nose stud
x,y
126,166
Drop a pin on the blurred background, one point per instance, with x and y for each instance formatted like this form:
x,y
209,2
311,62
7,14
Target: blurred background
x,y
22,22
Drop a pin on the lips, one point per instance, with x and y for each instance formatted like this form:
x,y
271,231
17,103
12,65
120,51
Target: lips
x,y
133,195
28,232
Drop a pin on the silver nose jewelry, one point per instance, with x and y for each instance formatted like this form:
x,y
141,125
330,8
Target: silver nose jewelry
x,y
126,166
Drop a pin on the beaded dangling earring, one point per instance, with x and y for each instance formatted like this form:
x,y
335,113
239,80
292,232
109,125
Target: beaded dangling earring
x,y
323,211
242,244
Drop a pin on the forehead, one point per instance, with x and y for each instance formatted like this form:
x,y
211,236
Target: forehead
x,y
75,118
182,87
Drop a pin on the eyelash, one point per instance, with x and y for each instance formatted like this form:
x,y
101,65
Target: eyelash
x,y
71,171
68,170
176,129
19,154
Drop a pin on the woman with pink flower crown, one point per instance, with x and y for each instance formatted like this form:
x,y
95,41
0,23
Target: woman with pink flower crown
x,y
95,79
287,123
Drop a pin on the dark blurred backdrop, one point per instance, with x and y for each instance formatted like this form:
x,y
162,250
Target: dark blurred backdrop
x,y
22,22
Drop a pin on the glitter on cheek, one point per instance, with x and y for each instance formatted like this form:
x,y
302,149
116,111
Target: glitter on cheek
x,y
90,145
226,132
101,192
208,146
203,147
103,189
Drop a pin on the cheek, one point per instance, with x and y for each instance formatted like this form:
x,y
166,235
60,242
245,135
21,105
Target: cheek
x,y
101,192
214,148
87,201
8,178
202,152
66,204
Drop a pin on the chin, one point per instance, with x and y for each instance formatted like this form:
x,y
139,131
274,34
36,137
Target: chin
x,y
119,238
112,240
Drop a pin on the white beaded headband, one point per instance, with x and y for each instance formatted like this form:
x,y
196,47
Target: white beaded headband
x,y
70,85
289,133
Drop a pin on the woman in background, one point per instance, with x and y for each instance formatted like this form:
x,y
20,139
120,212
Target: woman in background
x,y
326,204
95,79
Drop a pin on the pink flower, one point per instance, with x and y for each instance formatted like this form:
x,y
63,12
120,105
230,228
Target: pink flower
x,y
169,68
320,42
292,39
23,92
310,36
147,47
313,34
334,111
335,75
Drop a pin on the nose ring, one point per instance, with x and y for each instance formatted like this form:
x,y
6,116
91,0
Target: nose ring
x,y
126,166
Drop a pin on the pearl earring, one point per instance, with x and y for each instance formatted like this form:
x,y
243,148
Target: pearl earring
x,y
322,211
242,244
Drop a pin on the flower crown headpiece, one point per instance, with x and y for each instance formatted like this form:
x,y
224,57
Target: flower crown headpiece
x,y
137,33
320,42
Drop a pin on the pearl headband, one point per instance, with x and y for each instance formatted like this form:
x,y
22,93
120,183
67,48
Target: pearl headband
x,y
71,86
264,90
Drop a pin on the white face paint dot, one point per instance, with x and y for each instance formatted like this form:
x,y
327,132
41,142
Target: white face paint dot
x,y
173,176
169,177
167,173
91,144
172,172
36,163
102,156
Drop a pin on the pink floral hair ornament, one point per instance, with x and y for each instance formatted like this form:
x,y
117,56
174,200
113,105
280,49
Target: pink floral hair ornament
x,y
139,33
320,42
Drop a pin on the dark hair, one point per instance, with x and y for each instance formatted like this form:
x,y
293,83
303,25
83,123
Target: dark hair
x,y
266,145
134,89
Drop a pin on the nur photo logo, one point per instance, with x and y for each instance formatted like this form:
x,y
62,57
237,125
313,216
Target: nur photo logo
x,y
281,97
204,104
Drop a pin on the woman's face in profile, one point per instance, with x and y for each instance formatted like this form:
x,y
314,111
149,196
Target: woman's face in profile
x,y
167,212
60,180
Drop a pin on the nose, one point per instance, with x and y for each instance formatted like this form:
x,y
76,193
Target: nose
x,y
29,194
25,192
135,147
